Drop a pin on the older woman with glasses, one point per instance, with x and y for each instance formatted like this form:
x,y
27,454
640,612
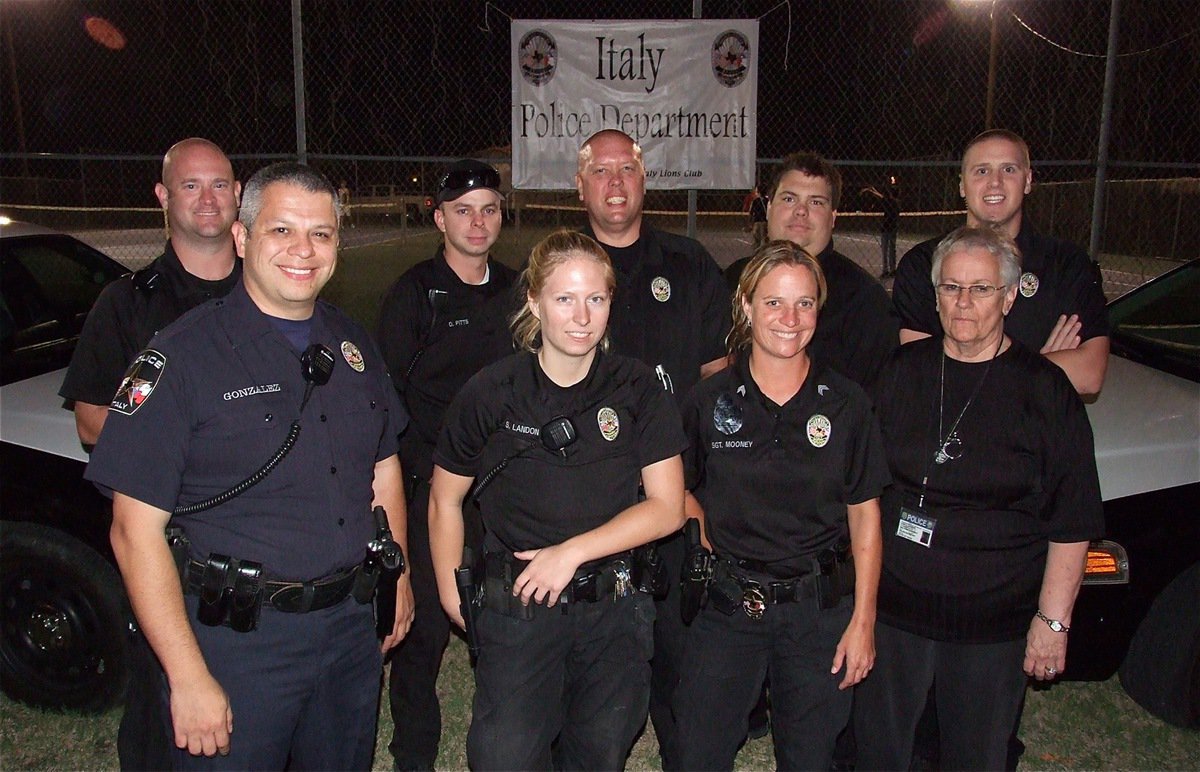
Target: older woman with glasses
x,y
994,497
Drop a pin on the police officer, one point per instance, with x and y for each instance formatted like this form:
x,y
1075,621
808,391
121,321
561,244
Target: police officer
x,y
264,425
1060,306
858,328
785,466
441,322
558,437
671,311
199,196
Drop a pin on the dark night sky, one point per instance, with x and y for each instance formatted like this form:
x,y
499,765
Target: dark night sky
x,y
422,78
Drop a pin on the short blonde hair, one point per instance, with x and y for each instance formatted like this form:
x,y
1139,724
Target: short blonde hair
x,y
549,253
585,150
772,255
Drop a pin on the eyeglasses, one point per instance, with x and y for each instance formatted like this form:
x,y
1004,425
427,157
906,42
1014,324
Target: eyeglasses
x,y
976,290
468,179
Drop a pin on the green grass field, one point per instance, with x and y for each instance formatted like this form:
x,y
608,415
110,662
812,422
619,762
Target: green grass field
x,y
1067,726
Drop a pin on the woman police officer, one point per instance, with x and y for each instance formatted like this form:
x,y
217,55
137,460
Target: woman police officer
x,y
785,465
558,438
994,499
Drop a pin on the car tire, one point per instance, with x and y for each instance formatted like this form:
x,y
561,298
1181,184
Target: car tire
x,y
1161,672
65,621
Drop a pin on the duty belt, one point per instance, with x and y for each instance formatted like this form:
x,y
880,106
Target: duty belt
x,y
606,581
289,597
756,595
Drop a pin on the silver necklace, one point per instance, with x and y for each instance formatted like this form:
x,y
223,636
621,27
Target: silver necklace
x,y
950,446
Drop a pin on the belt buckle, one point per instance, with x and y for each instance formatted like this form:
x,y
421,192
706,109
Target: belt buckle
x,y
754,600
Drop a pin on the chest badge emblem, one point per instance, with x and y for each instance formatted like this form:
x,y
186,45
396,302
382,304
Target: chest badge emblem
x,y
727,415
610,425
353,356
1029,284
819,429
660,288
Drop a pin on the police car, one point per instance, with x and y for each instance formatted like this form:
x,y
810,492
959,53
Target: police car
x,y
62,607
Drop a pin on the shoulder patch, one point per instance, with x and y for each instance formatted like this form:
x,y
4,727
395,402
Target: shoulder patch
x,y
139,381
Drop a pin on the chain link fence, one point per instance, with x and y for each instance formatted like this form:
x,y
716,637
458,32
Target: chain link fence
x,y
95,90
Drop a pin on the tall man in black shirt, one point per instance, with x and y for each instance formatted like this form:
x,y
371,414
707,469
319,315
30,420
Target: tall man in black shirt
x,y
200,198
1060,307
441,322
671,310
856,330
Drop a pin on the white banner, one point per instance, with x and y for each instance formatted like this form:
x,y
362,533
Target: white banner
x,y
686,91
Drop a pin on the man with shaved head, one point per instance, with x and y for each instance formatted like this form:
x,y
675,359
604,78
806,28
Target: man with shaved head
x,y
670,310
199,196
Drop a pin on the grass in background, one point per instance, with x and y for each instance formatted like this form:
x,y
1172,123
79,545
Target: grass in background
x,y
1067,726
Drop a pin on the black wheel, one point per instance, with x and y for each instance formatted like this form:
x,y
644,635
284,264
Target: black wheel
x,y
65,621
1161,672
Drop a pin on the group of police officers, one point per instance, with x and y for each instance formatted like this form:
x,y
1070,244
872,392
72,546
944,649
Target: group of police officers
x,y
258,425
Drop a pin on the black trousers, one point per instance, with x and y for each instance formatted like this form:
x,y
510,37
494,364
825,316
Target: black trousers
x,y
669,634
979,689
145,739
412,683
726,660
561,690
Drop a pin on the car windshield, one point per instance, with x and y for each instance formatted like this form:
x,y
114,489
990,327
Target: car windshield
x,y
1158,324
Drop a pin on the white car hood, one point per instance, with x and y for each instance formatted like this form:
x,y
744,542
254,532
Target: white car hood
x,y
32,415
1147,428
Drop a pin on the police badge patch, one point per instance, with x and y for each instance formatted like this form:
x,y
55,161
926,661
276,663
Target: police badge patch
x,y
1029,284
660,288
727,416
610,425
139,382
818,430
353,356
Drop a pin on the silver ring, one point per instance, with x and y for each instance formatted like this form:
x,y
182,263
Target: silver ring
x,y
1051,671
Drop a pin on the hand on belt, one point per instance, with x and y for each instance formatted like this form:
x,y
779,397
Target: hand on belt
x,y
290,597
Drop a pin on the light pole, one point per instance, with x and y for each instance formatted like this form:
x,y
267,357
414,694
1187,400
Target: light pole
x,y
991,76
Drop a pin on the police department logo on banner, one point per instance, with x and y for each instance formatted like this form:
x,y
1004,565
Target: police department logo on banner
x,y
139,382
730,58
538,57
610,425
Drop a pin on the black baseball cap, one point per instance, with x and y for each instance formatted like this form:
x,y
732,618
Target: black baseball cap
x,y
466,175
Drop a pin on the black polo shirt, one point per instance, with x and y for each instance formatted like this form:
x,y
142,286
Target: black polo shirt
x,y
670,309
125,317
775,480
624,422
215,395
1057,278
435,332
857,329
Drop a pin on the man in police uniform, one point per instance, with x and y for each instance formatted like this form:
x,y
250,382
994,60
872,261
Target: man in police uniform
x,y
1060,306
670,310
199,196
857,329
263,634
441,322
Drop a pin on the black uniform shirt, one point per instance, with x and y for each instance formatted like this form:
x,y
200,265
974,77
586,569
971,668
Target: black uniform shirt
x,y
670,309
1057,278
775,480
435,332
857,329
220,405
624,420
1026,476
125,318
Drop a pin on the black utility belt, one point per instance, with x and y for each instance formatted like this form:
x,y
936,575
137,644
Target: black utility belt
x,y
607,581
830,579
232,591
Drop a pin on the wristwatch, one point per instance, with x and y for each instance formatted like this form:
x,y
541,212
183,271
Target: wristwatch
x,y
1053,624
